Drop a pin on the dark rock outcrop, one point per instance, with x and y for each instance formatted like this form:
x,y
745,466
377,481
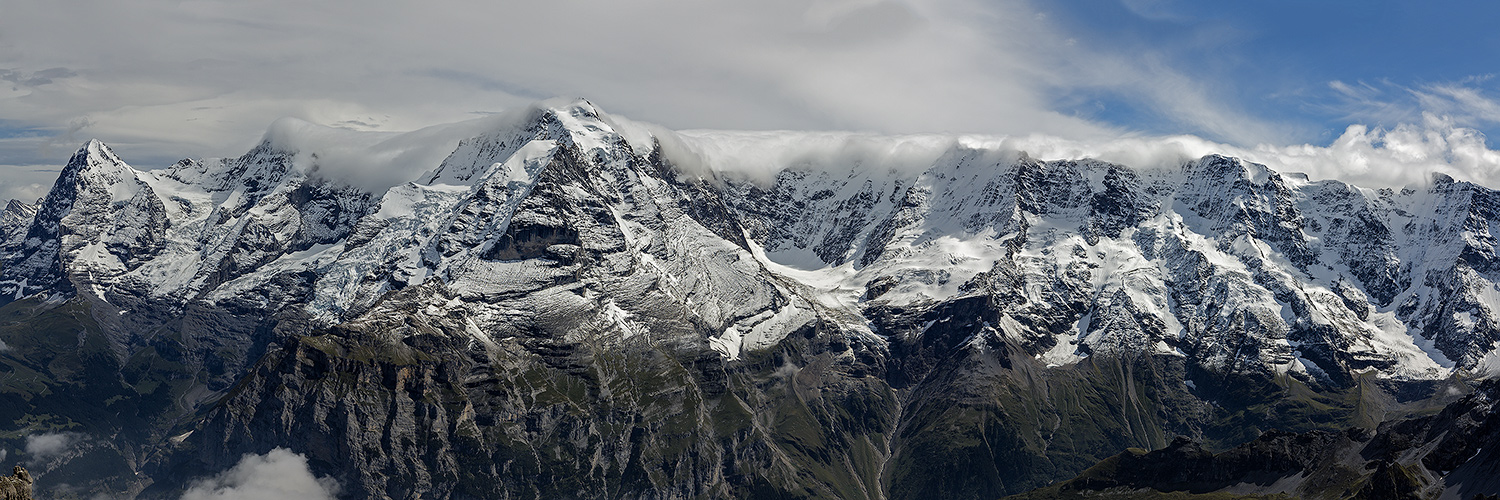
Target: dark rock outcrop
x,y
16,486
1442,454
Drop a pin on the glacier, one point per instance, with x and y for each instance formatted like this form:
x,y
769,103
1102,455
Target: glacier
x,y
1227,262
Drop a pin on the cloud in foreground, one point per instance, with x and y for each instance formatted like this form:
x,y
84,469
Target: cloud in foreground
x,y
44,446
276,475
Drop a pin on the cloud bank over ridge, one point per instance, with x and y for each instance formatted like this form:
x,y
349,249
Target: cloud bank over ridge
x,y
160,80
1407,155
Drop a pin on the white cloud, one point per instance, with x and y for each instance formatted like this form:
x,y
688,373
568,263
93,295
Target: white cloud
x,y
1368,157
48,445
1404,155
279,474
377,160
760,155
1465,104
160,80
27,183
1398,156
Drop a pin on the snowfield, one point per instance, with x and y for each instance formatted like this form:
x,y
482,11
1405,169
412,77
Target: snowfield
x,y
1219,260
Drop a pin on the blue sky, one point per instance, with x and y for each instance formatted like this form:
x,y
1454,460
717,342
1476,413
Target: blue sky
x,y
161,80
1314,67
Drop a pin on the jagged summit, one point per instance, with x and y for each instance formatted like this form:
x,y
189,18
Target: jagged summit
x,y
99,218
15,219
93,164
576,124
93,152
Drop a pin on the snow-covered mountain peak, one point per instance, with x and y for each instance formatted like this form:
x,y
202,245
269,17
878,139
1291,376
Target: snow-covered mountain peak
x,y
18,209
96,151
1072,257
1227,168
575,124
15,219
1085,257
504,280
99,219
94,163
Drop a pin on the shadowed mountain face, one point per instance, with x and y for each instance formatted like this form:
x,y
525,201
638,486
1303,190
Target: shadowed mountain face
x,y
562,309
1445,455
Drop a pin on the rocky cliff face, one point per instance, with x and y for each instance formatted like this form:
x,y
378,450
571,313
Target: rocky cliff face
x,y
1212,262
1436,456
16,486
15,219
565,307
